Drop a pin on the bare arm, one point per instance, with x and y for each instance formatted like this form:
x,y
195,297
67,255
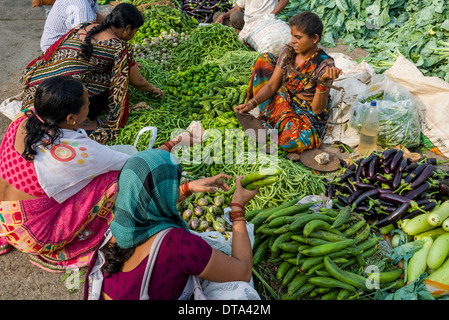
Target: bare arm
x,y
139,82
238,266
281,5
266,92
321,97
227,14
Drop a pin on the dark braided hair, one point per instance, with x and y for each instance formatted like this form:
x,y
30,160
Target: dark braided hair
x,y
54,100
308,23
115,257
122,15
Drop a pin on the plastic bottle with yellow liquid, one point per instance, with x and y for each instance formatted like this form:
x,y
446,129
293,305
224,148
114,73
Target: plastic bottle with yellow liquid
x,y
369,131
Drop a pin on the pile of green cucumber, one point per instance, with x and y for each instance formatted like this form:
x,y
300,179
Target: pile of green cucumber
x,y
321,253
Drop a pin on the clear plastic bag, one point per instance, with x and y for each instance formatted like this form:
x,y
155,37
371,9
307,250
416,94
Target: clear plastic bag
x,y
399,115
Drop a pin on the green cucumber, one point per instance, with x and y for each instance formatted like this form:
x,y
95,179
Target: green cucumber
x,y
354,228
434,233
363,235
262,183
282,270
291,246
280,221
308,241
305,289
290,275
261,252
280,239
294,209
301,222
315,225
331,283
418,262
298,281
386,276
343,294
261,216
328,236
256,176
439,214
342,217
332,295
325,249
438,252
417,224
342,275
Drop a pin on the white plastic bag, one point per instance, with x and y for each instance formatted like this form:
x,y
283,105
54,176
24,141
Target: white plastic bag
x,y
432,94
216,240
131,150
266,34
12,106
399,114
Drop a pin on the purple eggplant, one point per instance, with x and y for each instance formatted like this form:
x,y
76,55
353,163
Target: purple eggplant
x,y
330,190
386,165
384,191
187,214
418,191
444,188
410,167
396,160
388,209
362,185
392,197
354,195
387,154
194,223
428,207
394,216
372,167
346,175
367,160
348,188
386,203
426,173
397,179
343,200
358,173
352,167
365,195
402,165
412,175
382,179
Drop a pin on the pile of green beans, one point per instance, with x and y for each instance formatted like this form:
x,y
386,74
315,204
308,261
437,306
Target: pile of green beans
x,y
206,42
165,120
296,180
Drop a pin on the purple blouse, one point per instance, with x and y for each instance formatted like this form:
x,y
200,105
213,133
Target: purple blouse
x,y
181,254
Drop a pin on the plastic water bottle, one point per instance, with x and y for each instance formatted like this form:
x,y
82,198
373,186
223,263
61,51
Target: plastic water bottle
x,y
369,131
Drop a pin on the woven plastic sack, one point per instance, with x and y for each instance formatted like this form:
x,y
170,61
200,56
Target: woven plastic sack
x,y
266,34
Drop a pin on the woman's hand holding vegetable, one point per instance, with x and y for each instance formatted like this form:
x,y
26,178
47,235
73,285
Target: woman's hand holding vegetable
x,y
210,184
241,195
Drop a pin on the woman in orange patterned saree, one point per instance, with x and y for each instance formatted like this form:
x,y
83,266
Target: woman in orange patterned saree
x,y
295,105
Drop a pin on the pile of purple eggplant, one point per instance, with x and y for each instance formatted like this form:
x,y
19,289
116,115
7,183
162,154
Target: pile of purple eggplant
x,y
203,10
387,186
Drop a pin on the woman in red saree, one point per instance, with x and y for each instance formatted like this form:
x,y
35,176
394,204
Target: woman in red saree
x,y
296,106
57,186
99,55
